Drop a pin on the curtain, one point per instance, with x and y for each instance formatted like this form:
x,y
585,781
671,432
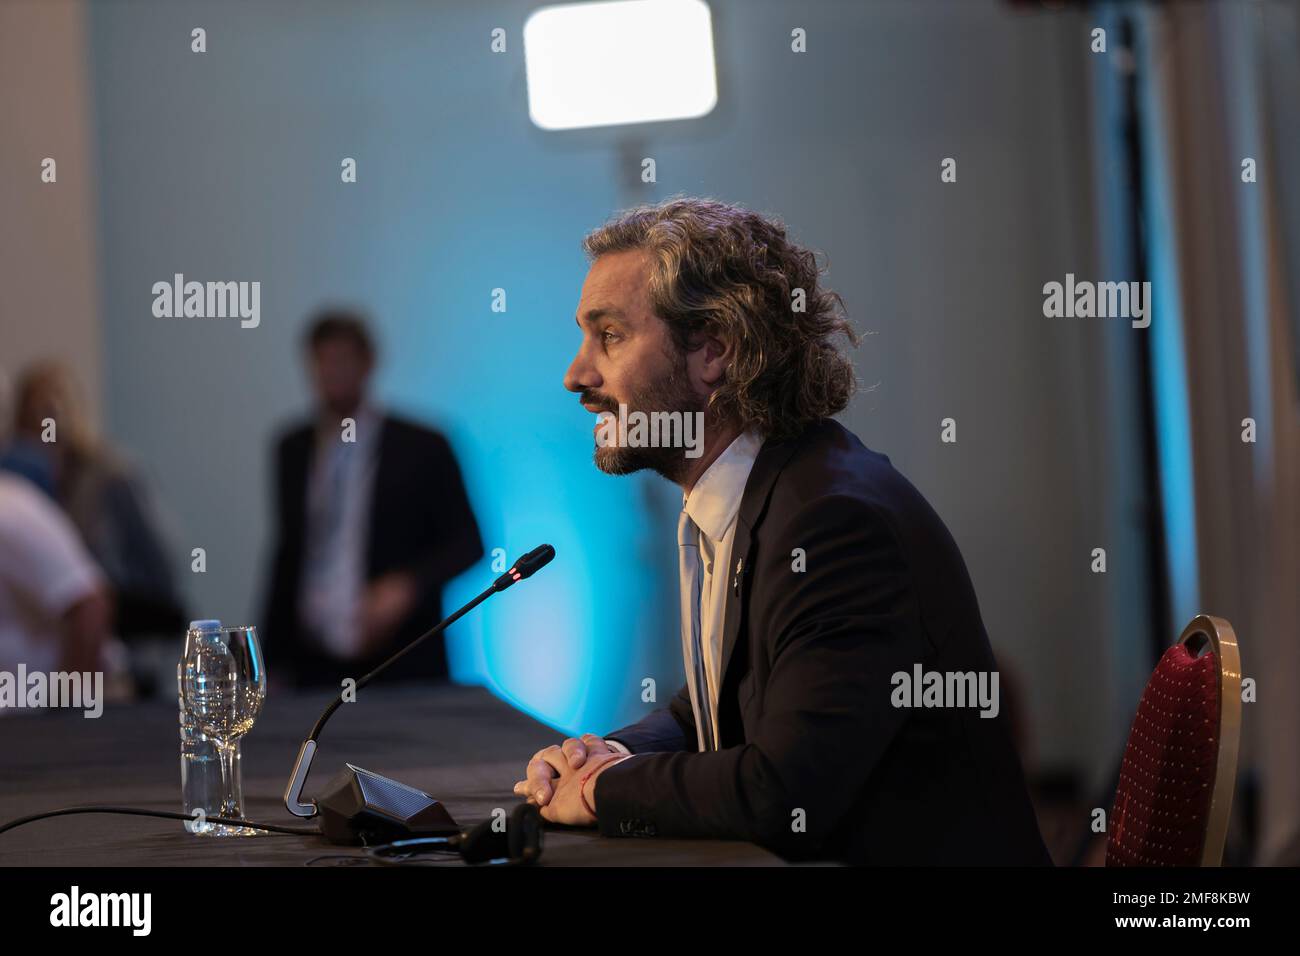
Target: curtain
x,y
1221,90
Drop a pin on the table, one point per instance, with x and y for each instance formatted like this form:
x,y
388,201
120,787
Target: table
x,y
460,744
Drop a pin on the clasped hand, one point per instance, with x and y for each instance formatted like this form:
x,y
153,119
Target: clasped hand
x,y
554,778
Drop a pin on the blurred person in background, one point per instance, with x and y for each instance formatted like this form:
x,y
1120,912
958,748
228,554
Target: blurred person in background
x,y
54,603
372,520
102,494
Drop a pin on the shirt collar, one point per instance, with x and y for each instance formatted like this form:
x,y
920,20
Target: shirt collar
x,y
715,499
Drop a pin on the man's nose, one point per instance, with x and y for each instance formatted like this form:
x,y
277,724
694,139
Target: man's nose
x,y
581,375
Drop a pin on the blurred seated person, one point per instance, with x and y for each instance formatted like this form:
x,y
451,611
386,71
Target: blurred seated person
x,y
372,520
54,604
107,501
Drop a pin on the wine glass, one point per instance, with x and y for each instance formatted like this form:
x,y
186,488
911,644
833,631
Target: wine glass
x,y
224,686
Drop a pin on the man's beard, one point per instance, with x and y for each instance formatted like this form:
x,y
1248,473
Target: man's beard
x,y
671,393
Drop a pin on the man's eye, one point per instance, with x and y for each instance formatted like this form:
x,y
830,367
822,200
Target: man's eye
x,y
609,335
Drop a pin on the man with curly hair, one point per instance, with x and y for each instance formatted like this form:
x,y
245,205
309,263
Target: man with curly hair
x,y
812,576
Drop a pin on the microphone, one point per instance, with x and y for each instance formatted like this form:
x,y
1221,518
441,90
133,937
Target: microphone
x,y
359,806
526,567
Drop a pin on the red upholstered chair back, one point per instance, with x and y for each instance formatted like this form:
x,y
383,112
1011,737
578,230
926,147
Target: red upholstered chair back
x,y
1175,785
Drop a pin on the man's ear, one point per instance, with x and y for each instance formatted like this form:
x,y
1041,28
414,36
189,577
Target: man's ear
x,y
712,356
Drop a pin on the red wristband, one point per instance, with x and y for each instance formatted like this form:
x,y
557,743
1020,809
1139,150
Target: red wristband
x,y
582,786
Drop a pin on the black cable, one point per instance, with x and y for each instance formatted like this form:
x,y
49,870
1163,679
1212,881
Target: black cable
x,y
399,851
165,814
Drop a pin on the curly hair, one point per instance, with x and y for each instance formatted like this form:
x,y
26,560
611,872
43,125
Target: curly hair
x,y
733,274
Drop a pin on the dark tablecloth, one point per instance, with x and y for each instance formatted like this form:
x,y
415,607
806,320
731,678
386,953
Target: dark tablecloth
x,y
460,744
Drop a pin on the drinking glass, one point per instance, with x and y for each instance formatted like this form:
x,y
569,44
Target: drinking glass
x,y
224,685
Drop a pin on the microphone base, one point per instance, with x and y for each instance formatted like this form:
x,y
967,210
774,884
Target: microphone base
x,y
359,806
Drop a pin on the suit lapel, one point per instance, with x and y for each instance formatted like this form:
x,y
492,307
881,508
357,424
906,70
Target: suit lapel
x,y
379,499
753,507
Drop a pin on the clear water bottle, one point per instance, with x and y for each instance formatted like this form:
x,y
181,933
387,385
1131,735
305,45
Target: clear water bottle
x,y
201,786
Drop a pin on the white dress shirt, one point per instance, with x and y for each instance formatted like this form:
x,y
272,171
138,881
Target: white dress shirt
x,y
339,498
713,504
45,570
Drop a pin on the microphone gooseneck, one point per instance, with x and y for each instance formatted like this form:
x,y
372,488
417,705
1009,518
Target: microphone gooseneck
x,y
525,567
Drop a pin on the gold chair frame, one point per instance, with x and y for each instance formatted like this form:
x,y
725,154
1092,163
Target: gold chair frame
x,y
1217,634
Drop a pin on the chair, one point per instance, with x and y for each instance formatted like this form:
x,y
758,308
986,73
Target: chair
x,y
1180,766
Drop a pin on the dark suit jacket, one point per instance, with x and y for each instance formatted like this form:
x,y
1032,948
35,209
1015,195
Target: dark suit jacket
x,y
805,715
420,520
